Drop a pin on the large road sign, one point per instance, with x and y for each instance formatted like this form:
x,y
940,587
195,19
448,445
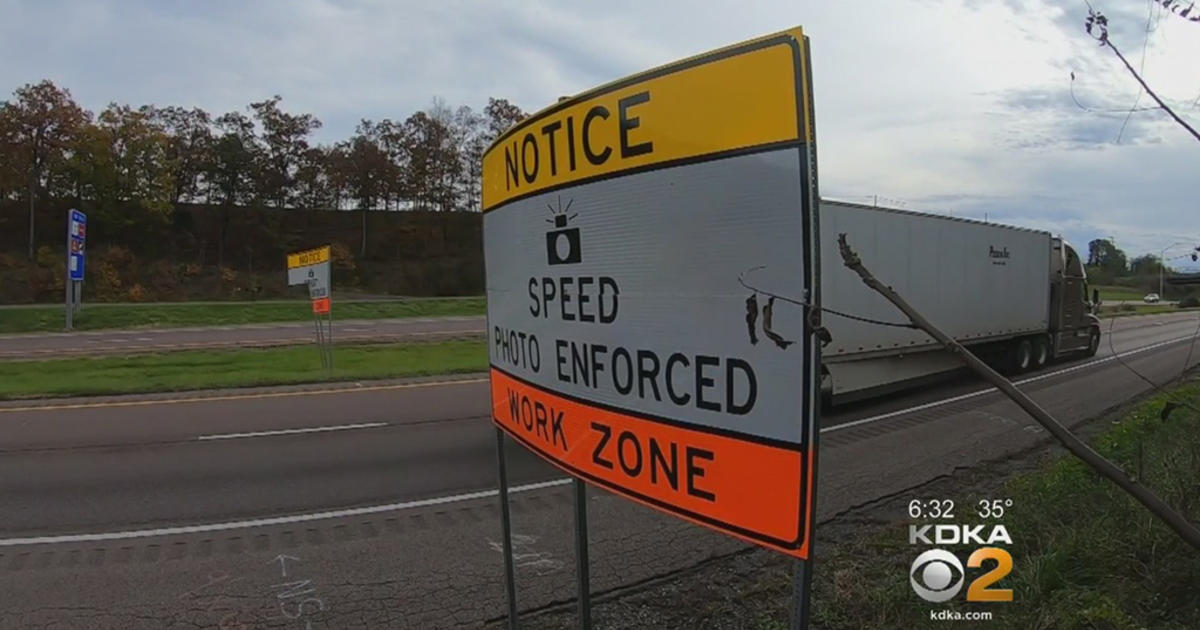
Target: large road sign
x,y
624,348
77,240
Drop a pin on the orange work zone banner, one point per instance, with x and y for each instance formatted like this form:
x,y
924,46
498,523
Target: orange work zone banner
x,y
741,487
320,306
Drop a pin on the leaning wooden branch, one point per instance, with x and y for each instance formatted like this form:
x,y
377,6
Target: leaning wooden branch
x,y
1164,512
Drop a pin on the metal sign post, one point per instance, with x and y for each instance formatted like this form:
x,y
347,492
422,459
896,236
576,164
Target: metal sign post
x,y
636,239
329,339
311,268
802,584
510,581
582,568
323,319
320,340
68,307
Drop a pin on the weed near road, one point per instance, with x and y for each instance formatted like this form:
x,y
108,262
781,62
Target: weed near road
x,y
204,369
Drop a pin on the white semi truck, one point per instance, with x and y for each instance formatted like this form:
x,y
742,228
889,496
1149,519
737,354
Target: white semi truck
x,y
1016,297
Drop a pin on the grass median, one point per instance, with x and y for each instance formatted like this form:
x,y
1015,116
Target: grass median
x,y
105,316
1125,310
205,369
1113,293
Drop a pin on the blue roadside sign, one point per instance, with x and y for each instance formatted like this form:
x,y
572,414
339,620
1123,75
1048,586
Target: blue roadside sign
x,y
77,233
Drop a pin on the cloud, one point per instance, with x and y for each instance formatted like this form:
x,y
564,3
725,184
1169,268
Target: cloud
x,y
1052,118
950,105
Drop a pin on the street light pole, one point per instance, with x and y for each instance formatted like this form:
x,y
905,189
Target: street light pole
x,y
1162,263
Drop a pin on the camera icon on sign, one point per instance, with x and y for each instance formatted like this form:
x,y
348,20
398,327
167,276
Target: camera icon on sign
x,y
562,242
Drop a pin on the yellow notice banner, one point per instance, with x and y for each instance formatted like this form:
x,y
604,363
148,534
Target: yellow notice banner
x,y
308,257
730,100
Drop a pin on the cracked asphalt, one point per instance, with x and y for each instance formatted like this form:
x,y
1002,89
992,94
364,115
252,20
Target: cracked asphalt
x,y
433,562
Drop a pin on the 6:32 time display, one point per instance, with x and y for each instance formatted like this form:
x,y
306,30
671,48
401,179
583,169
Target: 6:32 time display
x,y
931,508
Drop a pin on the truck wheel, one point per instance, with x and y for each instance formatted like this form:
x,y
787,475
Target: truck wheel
x,y
1022,355
1093,342
1041,351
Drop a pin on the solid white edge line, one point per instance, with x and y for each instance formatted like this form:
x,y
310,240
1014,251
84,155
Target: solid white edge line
x,y
254,434
278,520
390,507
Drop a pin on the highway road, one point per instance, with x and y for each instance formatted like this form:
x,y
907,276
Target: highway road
x,y
48,345
373,506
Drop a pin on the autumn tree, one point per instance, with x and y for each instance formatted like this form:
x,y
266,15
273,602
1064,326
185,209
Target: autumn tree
x,y
231,170
189,148
11,178
1104,254
366,170
133,163
337,174
313,180
392,138
284,142
433,163
1144,265
501,115
471,136
39,125
121,166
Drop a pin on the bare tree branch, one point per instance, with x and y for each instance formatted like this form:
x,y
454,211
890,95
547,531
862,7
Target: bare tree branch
x,y
1097,27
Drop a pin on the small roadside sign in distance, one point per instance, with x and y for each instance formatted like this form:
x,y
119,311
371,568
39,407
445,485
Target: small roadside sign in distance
x,y
310,267
77,235
624,348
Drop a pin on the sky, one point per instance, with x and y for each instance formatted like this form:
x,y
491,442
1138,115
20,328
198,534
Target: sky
x,y
965,107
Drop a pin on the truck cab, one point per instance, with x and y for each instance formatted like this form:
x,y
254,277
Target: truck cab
x,y
1074,326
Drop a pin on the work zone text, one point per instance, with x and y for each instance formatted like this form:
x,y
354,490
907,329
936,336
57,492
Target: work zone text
x,y
683,468
617,450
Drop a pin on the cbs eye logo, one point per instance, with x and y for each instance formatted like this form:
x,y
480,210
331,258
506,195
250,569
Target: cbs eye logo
x,y
937,576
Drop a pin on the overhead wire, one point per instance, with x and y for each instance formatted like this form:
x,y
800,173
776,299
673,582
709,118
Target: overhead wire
x,y
1141,68
809,306
1092,110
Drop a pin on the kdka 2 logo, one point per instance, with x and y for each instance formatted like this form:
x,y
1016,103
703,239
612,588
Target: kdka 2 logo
x,y
937,575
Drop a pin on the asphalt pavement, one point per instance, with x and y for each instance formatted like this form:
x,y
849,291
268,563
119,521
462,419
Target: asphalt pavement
x,y
48,345
373,506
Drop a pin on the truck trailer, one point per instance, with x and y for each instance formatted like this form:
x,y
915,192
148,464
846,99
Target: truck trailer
x,y
1016,297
